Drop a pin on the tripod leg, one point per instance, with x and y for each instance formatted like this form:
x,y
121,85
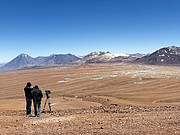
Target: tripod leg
x,y
50,108
44,105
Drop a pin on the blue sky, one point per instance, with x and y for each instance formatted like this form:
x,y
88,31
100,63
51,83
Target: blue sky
x,y
44,27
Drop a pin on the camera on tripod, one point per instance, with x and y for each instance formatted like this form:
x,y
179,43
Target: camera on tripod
x,y
47,99
47,93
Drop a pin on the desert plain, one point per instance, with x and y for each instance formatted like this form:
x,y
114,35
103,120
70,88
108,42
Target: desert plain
x,y
94,99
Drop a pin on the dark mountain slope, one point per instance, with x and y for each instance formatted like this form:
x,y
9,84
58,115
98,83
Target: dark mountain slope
x,y
60,58
163,56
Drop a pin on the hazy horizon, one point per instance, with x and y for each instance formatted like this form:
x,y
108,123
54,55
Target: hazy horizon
x,y
44,27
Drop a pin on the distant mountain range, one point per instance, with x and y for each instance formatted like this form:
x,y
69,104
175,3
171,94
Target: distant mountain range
x,y
164,56
56,59
24,60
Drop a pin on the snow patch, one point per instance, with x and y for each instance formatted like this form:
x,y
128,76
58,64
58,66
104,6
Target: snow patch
x,y
62,81
112,75
124,55
53,103
97,78
102,77
162,55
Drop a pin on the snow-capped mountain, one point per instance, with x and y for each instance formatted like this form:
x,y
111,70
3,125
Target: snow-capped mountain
x,y
107,57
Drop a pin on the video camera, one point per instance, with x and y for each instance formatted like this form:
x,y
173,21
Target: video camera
x,y
47,99
47,93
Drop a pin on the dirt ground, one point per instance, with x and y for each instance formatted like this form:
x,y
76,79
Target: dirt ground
x,y
94,99
95,120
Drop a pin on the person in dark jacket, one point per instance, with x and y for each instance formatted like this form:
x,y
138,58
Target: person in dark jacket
x,y
28,96
37,95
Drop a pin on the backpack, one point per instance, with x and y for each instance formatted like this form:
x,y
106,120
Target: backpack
x,y
36,94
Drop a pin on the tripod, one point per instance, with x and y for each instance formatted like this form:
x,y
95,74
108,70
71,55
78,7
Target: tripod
x,y
49,103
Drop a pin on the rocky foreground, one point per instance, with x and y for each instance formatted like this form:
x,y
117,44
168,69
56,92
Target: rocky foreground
x,y
95,120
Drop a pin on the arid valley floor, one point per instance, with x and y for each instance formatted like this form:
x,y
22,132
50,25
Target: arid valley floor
x,y
94,99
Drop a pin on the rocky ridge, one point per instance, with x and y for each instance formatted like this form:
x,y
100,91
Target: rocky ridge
x,y
164,56
107,57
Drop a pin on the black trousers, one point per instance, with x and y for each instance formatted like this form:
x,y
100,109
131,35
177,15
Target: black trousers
x,y
28,105
37,107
